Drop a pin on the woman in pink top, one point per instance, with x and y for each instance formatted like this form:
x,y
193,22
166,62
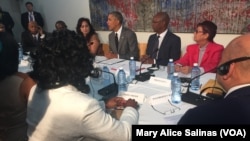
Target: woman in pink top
x,y
205,52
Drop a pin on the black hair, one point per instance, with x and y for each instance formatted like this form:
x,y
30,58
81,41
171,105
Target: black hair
x,y
8,55
62,59
118,15
28,2
210,28
61,23
91,28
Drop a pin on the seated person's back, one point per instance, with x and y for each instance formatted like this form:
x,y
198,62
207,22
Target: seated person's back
x,y
14,90
59,105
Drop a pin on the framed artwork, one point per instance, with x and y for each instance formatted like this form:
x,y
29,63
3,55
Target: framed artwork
x,y
230,16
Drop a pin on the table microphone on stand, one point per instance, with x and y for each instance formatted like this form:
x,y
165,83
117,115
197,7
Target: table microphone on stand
x,y
194,98
108,91
146,75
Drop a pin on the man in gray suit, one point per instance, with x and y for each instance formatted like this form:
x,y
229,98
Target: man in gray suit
x,y
123,42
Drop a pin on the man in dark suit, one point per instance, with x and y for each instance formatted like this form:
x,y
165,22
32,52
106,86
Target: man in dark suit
x,y
233,75
31,15
126,45
162,45
32,38
7,21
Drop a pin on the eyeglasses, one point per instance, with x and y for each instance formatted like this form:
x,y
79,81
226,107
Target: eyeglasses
x,y
173,109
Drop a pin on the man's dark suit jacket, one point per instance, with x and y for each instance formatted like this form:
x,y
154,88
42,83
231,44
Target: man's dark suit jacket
x,y
233,109
7,21
28,42
128,44
170,48
25,19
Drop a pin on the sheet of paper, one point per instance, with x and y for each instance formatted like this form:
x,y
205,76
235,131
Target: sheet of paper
x,y
158,99
173,119
160,81
99,59
112,61
139,97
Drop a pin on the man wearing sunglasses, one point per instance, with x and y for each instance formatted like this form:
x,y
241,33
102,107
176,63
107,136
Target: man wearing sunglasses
x,y
233,75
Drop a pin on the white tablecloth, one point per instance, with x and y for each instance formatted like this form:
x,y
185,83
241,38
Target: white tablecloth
x,y
148,115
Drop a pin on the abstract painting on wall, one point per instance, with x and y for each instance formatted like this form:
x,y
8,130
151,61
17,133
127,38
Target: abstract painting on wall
x,y
230,16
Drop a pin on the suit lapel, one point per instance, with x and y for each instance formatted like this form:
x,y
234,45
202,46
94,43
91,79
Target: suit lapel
x,y
163,43
113,41
121,40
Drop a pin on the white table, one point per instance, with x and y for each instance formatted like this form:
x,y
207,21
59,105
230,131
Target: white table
x,y
24,65
148,115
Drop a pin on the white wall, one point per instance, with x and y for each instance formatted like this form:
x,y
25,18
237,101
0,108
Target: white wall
x,y
70,11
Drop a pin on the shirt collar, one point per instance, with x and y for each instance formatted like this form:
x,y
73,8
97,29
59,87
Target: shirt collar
x,y
235,88
163,33
119,32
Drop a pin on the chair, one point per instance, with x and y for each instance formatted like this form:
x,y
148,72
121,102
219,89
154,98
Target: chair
x,y
142,49
105,48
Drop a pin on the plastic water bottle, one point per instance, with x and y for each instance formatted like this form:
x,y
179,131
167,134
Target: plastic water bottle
x,y
132,68
195,83
105,76
170,68
20,52
176,89
122,81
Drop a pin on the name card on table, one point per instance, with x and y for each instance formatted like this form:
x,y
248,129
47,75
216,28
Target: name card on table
x,y
131,95
158,99
160,81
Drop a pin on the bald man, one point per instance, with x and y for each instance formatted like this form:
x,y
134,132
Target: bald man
x,y
233,75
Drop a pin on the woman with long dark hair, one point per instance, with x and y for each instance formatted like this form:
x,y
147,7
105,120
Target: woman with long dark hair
x,y
86,30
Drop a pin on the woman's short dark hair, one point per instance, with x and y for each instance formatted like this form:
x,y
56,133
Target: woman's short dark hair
x,y
62,59
210,28
8,55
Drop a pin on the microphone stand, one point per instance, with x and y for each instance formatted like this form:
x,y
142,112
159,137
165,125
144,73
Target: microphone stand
x,y
146,75
109,91
193,98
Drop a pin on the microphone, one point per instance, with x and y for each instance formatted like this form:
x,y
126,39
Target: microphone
x,y
146,75
108,91
193,98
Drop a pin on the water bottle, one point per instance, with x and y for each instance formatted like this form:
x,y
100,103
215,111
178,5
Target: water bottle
x,y
176,89
20,52
122,81
132,68
195,83
170,68
105,76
